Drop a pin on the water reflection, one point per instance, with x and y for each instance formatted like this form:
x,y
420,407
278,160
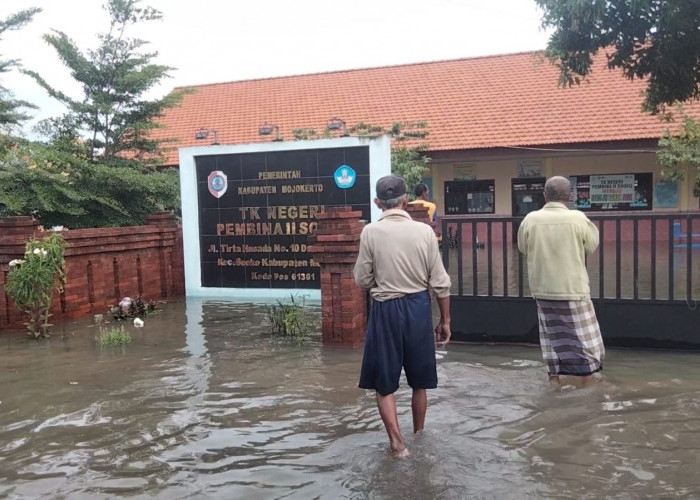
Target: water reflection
x,y
203,404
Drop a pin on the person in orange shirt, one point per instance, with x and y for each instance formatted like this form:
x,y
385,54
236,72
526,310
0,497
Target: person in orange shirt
x,y
422,192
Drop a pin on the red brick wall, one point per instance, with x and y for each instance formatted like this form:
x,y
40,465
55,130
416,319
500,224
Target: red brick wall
x,y
103,265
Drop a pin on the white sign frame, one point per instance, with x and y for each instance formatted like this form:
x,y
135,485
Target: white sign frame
x,y
379,166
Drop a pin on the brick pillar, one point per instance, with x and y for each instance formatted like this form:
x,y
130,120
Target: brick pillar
x,y
161,219
344,305
418,212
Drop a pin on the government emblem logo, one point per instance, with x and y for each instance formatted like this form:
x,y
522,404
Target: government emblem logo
x,y
344,177
217,182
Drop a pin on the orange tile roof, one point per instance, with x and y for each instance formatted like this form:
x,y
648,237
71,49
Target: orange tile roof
x,y
484,102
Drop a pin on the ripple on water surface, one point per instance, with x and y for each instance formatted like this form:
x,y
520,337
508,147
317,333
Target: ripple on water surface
x,y
203,404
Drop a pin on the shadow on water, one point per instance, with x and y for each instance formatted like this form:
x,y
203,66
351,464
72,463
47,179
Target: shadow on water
x,y
204,404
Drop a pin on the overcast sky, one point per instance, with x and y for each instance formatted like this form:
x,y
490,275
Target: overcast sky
x,y
211,41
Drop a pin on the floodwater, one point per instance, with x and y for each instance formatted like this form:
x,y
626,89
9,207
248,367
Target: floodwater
x,y
204,404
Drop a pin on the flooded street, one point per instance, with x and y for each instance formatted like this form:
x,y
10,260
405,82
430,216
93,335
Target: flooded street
x,y
204,404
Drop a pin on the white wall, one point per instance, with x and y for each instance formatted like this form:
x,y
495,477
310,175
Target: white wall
x,y
505,167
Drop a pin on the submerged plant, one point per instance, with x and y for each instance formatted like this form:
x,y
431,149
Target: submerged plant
x,y
113,336
33,280
132,308
289,319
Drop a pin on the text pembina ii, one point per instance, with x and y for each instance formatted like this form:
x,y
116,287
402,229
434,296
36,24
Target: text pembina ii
x,y
264,228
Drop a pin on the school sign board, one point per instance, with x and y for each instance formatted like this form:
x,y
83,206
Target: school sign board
x,y
248,210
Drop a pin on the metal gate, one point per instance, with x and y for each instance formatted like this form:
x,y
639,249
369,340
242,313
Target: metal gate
x,y
645,280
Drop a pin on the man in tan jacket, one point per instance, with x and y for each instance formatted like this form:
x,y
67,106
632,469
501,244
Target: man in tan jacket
x,y
556,241
398,262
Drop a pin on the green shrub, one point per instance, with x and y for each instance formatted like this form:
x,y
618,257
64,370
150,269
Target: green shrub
x,y
32,281
113,336
289,319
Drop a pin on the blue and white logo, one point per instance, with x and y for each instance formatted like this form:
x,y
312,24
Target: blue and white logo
x,y
344,177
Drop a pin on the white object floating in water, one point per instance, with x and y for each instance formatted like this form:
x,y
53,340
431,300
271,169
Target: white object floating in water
x,y
138,322
440,354
125,303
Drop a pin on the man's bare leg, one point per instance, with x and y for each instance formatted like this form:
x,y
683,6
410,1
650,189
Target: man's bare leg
x,y
578,381
419,405
387,410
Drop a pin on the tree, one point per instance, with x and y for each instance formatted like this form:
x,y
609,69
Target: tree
x,y
60,188
676,152
114,117
658,40
95,169
10,108
408,158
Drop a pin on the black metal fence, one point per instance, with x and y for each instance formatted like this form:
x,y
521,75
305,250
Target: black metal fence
x,y
645,279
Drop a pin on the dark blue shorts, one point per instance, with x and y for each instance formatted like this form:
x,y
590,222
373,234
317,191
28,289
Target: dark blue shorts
x,y
399,334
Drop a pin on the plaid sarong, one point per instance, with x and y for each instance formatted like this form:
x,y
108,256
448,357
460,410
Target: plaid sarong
x,y
570,337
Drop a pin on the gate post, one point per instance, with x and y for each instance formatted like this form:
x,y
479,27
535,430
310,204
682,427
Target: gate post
x,y
335,246
418,213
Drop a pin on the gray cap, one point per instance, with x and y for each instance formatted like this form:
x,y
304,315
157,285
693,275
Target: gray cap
x,y
390,187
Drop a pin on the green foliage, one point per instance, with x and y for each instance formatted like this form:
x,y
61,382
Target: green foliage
x,y
363,128
289,319
10,108
652,39
408,158
113,336
677,152
305,134
110,124
96,168
32,281
409,161
411,164
60,188
407,131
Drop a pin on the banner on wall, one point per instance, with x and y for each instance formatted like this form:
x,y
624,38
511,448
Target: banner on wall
x,y
612,188
666,194
464,171
530,168
612,192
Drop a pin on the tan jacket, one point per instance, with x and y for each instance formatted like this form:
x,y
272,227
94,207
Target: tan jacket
x,y
556,241
399,256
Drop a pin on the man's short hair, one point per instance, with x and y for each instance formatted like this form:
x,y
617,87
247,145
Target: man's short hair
x,y
420,189
390,187
558,188
392,203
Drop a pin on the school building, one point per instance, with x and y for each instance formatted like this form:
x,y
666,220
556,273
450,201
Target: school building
x,y
497,126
